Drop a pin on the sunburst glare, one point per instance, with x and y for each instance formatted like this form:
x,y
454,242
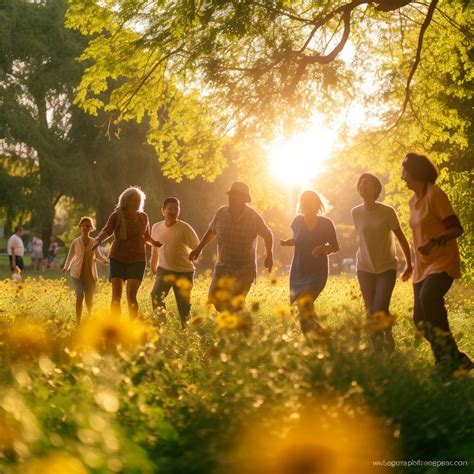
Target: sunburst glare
x,y
297,160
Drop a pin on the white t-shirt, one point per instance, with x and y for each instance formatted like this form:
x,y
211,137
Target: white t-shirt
x,y
15,242
178,240
377,252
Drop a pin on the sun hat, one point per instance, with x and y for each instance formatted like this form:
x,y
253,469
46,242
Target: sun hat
x,y
237,187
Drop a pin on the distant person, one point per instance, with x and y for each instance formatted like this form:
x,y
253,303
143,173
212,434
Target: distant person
x,y
314,238
236,227
435,229
377,261
37,252
81,261
131,230
52,256
16,252
170,262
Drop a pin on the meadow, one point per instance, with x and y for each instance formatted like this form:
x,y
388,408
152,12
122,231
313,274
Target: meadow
x,y
230,394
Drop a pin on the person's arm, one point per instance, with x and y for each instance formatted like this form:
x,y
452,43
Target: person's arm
x,y
445,213
287,242
207,238
107,230
440,241
14,266
329,247
154,260
268,262
405,246
100,256
148,238
70,257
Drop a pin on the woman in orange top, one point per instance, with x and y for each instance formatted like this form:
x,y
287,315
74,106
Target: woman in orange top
x,y
131,229
435,230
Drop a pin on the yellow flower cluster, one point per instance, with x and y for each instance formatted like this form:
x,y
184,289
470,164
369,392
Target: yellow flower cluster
x,y
26,340
107,334
328,438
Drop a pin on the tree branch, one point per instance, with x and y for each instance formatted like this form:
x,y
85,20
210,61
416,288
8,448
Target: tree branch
x,y
416,62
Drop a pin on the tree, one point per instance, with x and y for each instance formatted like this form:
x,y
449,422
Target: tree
x,y
246,65
43,154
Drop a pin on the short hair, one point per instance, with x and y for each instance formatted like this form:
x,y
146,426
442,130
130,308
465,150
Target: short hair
x,y
127,194
87,218
170,200
18,227
420,168
374,180
312,197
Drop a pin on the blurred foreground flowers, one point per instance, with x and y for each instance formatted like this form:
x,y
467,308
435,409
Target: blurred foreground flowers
x,y
26,341
328,438
106,334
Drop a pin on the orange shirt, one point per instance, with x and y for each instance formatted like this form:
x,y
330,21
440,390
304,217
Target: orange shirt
x,y
426,221
131,249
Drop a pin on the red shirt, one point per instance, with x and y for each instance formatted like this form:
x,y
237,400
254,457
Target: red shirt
x,y
131,249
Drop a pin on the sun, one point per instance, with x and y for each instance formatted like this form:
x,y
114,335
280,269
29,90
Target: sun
x,y
297,160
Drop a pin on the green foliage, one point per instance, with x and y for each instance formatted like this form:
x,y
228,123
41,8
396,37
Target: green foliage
x,y
41,152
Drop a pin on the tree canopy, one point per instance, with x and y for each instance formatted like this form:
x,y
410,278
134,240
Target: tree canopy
x,y
258,65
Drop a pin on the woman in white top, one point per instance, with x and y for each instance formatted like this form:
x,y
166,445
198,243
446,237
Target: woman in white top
x,y
81,261
377,224
37,252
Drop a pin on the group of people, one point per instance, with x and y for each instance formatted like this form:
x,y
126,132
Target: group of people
x,y
434,259
16,252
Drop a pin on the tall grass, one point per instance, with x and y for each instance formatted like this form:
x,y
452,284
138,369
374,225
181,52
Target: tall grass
x,y
216,400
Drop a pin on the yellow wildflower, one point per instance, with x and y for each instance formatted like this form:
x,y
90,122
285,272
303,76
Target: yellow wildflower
x,y
380,320
27,341
330,438
227,283
57,463
102,335
169,278
226,320
238,302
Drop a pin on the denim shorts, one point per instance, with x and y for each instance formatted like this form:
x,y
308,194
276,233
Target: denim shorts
x,y
126,271
80,289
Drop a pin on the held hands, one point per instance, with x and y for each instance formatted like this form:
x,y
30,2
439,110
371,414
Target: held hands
x,y
407,272
156,243
284,242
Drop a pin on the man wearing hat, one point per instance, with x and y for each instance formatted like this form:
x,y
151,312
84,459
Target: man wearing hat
x,y
236,227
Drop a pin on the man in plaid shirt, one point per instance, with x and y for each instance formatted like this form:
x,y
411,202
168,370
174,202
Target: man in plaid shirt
x,y
236,227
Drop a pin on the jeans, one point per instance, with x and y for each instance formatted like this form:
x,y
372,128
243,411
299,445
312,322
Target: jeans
x,y
226,287
377,291
431,318
182,284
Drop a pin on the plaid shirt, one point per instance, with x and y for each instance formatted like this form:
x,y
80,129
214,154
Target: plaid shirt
x,y
236,240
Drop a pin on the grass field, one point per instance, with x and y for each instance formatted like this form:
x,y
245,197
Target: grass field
x,y
139,397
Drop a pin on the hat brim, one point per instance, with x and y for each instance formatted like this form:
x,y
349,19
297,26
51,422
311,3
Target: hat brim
x,y
246,196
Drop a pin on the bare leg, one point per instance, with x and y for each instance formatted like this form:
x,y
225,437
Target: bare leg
x,y
117,284
132,289
89,295
79,300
